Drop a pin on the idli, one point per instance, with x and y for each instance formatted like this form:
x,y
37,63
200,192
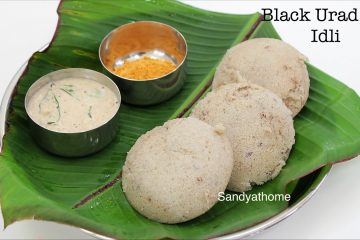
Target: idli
x,y
259,127
270,63
174,172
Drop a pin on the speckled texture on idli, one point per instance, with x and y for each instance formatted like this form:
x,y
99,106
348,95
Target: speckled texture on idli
x,y
174,172
270,63
259,127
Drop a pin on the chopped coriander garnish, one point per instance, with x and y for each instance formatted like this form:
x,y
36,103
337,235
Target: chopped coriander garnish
x,y
89,112
58,108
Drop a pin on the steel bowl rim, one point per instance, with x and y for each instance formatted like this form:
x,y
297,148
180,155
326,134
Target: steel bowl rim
x,y
151,79
118,95
5,103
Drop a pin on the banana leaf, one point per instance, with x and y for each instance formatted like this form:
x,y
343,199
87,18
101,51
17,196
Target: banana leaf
x,y
86,192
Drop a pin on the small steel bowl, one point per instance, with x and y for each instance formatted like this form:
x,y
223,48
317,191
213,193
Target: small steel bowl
x,y
145,38
75,144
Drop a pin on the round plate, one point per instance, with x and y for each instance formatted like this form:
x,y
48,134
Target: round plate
x,y
302,190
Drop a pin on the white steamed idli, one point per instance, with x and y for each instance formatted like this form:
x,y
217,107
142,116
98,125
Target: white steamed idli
x,y
174,172
270,63
259,127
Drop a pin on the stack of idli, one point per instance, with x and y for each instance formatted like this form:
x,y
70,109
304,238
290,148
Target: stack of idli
x,y
238,136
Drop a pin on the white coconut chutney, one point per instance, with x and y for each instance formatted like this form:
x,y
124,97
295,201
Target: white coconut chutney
x,y
73,105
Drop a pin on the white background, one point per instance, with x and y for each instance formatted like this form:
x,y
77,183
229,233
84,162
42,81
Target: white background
x,y
334,212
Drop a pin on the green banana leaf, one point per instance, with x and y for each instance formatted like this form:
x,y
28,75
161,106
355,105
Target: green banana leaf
x,y
86,192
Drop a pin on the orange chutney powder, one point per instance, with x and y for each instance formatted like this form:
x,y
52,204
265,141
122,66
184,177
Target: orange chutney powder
x,y
144,68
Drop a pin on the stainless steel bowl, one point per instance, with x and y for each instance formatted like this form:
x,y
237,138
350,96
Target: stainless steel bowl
x,y
145,38
79,143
